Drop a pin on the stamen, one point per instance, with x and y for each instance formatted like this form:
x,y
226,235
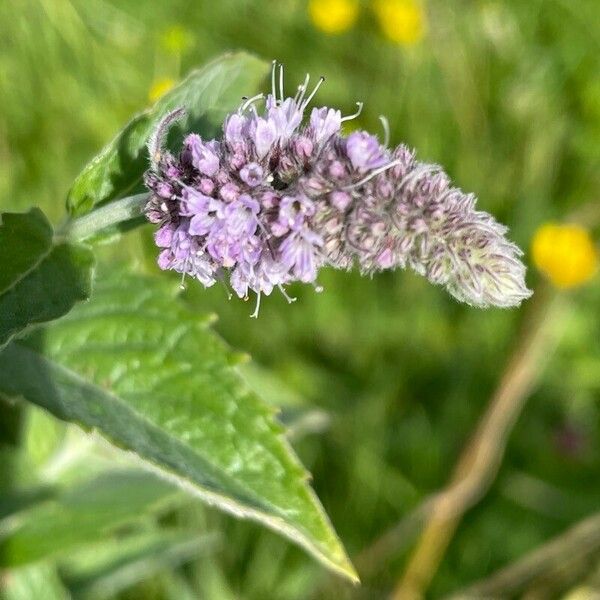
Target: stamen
x,y
184,273
373,174
250,101
254,315
302,89
386,130
319,84
356,114
285,294
273,90
281,82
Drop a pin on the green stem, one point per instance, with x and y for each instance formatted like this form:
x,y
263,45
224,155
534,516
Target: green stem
x,y
112,214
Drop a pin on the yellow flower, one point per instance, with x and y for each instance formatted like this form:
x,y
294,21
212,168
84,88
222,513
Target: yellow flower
x,y
159,88
583,592
565,254
333,16
176,39
402,21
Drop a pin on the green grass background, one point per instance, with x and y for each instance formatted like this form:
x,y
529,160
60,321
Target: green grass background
x,y
505,95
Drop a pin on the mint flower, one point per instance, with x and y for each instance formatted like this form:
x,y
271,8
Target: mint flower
x,y
280,196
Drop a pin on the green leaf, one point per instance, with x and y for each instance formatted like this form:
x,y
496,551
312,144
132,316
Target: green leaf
x,y
39,582
24,239
83,514
42,437
107,568
39,280
136,365
12,502
208,94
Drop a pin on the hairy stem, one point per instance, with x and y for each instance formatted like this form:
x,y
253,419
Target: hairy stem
x,y
111,214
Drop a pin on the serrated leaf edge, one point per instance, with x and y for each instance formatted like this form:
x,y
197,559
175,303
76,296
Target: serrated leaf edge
x,y
343,567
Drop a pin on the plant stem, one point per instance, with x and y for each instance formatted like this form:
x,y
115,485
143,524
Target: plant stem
x,y
106,216
479,463
574,545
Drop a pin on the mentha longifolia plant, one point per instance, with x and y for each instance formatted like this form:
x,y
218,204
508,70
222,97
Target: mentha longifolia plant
x,y
280,196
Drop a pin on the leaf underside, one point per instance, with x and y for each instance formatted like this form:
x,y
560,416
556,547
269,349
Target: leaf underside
x,y
151,376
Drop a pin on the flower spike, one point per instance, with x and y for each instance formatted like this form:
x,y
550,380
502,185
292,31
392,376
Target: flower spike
x,y
279,197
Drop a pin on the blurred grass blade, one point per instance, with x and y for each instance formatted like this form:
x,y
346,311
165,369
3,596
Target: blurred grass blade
x,y
148,374
208,94
15,501
39,280
34,582
83,515
175,586
106,569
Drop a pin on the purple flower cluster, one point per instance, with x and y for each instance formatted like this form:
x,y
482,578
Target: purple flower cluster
x,y
277,198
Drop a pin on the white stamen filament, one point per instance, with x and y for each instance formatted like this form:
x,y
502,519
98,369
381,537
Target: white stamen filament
x,y
254,315
184,273
356,114
373,174
302,89
289,298
251,101
281,82
273,90
306,102
386,130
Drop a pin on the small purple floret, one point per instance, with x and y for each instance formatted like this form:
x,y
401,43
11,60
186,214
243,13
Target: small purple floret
x,y
365,152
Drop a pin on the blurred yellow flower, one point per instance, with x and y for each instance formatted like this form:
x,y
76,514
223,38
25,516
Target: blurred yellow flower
x,y
159,88
333,16
565,254
581,593
401,21
176,39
